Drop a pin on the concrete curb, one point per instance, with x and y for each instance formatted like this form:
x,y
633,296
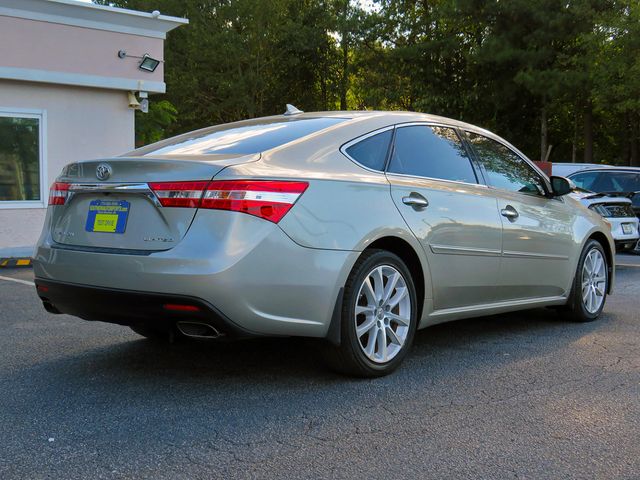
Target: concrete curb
x,y
15,262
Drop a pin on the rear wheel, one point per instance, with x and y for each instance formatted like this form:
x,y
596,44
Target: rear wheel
x,y
379,316
590,284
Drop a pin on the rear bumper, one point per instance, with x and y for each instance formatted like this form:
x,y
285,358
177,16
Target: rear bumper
x,y
242,268
126,307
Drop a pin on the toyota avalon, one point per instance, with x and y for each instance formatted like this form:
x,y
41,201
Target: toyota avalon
x,y
355,228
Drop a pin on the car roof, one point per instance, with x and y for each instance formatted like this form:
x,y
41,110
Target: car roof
x,y
399,116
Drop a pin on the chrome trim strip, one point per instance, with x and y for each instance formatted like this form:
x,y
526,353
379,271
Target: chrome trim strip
x,y
141,188
490,252
432,179
110,187
448,250
514,254
491,306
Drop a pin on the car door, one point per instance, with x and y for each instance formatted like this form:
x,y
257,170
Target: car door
x,y
537,229
435,187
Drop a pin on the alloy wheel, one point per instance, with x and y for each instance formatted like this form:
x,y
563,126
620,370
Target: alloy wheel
x,y
594,281
382,313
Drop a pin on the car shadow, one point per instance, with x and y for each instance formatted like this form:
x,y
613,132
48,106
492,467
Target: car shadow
x,y
446,349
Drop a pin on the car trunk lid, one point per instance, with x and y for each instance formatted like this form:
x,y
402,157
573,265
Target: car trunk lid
x,y
122,212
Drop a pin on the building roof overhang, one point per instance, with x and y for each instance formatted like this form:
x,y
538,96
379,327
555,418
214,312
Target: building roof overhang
x,y
89,15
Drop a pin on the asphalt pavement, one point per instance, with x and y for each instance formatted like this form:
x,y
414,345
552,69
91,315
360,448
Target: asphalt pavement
x,y
526,396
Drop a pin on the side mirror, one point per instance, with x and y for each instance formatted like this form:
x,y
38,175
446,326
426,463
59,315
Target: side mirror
x,y
561,186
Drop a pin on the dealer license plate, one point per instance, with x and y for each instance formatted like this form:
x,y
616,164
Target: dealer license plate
x,y
107,216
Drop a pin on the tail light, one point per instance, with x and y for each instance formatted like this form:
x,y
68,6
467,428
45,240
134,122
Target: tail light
x,y
179,194
270,200
267,199
58,193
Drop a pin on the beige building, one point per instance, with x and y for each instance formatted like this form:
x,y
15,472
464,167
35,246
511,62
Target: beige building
x,y
68,70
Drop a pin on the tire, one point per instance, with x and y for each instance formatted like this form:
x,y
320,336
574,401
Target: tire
x,y
392,323
586,304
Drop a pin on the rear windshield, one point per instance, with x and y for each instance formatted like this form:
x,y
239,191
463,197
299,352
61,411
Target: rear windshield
x,y
240,139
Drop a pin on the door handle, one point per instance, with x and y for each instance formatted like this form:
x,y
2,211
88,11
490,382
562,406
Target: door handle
x,y
510,213
416,201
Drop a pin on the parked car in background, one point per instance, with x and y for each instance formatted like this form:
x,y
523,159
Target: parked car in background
x,y
617,211
354,227
614,181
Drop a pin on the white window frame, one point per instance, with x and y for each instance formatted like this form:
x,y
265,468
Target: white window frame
x,y
41,116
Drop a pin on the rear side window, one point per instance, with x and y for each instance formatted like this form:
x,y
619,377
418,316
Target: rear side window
x,y
372,151
434,152
241,138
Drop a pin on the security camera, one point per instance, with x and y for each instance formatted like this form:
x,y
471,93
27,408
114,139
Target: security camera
x,y
144,105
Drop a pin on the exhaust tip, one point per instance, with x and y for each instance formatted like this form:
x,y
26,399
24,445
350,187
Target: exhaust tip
x,y
48,306
198,330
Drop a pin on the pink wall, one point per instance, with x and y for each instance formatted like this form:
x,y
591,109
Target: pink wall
x,y
40,45
81,124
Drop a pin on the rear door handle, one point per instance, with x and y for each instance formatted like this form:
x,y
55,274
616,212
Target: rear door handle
x,y
416,201
510,213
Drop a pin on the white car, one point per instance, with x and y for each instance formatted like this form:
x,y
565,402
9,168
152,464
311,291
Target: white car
x,y
617,211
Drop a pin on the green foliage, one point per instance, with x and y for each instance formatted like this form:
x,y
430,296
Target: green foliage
x,y
151,126
562,72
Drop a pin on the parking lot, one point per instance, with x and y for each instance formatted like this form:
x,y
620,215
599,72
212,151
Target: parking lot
x,y
526,395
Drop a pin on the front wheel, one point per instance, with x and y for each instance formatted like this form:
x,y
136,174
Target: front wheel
x,y
590,284
379,316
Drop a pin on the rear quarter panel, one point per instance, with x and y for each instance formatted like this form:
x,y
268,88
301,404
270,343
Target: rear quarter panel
x,y
346,207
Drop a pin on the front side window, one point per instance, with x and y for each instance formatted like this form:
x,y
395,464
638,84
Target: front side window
x,y
585,180
429,151
19,158
372,151
504,168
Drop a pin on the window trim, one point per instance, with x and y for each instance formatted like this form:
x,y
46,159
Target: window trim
x,y
41,116
350,143
480,181
517,153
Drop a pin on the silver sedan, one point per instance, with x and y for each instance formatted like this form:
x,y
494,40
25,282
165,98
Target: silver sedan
x,y
357,228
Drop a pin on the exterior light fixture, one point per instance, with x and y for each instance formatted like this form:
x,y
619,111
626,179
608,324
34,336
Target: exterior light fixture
x,y
147,62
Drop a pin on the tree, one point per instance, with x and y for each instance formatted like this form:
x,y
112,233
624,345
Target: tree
x,y
564,73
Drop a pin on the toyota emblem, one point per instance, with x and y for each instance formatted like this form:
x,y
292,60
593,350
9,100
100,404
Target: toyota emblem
x,y
103,171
